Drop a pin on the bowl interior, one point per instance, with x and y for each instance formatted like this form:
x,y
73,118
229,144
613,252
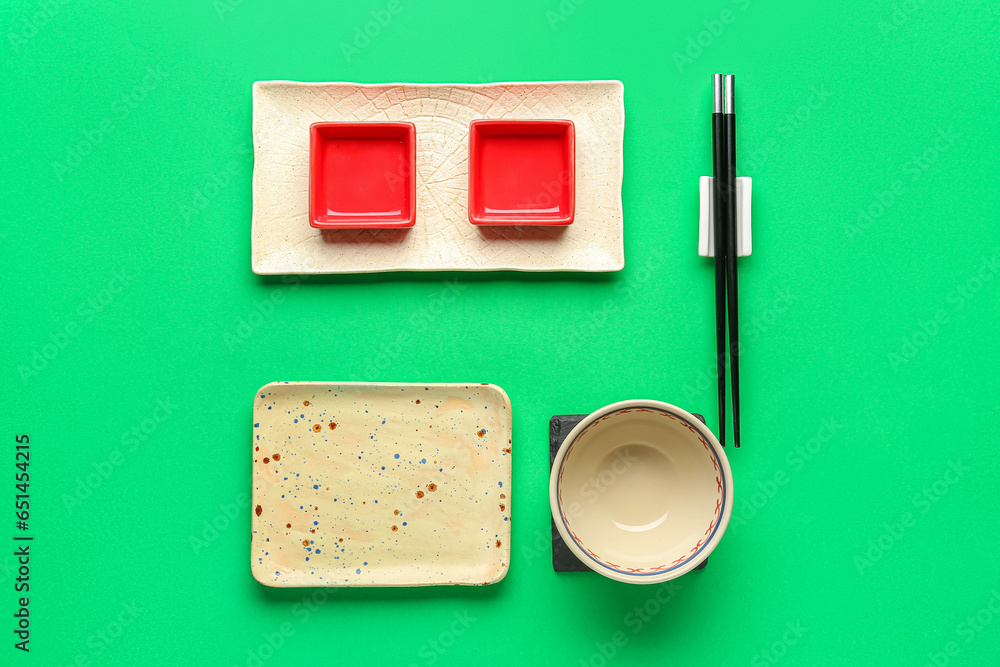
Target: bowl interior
x,y
641,491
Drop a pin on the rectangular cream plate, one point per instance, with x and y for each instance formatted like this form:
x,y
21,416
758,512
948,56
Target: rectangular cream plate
x,y
443,239
358,484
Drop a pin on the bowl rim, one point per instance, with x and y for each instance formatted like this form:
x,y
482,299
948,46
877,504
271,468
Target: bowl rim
x,y
684,567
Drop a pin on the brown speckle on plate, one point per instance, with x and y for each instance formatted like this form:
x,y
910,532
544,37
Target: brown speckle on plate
x,y
432,487
258,510
395,528
503,506
333,425
276,457
267,460
481,432
305,403
420,494
317,428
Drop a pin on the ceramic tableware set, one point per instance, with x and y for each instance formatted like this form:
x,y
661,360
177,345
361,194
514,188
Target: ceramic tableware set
x,y
385,484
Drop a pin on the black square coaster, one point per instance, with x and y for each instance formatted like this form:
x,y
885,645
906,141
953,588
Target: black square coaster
x,y
564,560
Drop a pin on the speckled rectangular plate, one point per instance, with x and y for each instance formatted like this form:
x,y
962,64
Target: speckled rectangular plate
x,y
443,239
358,484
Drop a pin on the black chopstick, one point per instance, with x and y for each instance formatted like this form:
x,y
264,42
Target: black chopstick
x,y
729,122
720,205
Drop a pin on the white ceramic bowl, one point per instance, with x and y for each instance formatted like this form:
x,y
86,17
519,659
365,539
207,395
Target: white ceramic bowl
x,y
641,491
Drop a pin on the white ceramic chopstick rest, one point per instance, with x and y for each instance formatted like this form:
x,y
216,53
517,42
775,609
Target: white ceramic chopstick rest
x,y
706,217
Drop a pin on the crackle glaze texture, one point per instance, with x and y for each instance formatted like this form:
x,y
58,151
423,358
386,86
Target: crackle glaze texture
x,y
380,485
443,239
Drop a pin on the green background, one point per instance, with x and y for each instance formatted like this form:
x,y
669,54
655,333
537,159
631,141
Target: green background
x,y
869,364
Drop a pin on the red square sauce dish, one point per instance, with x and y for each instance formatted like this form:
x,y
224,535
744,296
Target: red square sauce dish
x,y
362,175
521,172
